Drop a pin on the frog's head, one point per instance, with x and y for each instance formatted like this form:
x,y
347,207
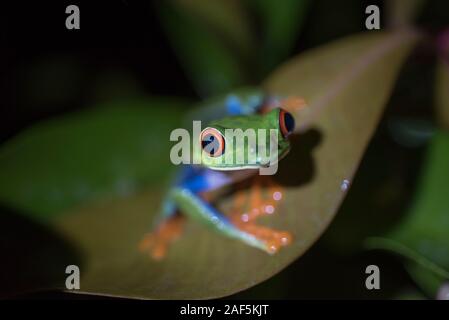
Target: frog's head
x,y
247,141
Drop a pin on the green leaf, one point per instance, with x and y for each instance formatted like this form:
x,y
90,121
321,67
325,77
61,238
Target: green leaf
x,y
227,18
210,38
423,236
281,25
347,84
442,93
230,43
428,282
65,161
403,13
409,294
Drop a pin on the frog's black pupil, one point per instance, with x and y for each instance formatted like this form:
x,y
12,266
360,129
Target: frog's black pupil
x,y
210,144
289,122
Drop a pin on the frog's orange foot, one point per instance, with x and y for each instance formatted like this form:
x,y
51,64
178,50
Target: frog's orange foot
x,y
261,202
156,243
273,239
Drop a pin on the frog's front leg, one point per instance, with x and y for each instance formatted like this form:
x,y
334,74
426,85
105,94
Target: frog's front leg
x,y
184,200
158,241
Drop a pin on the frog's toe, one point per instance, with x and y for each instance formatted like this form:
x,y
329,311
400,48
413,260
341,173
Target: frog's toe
x,y
147,242
155,246
156,243
272,239
261,202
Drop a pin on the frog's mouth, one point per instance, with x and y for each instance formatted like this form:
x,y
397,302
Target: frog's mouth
x,y
256,165
279,158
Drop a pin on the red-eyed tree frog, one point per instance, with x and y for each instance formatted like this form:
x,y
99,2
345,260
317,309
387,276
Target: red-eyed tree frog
x,y
248,109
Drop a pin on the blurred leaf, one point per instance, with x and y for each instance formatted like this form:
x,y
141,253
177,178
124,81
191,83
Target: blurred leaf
x,y
227,18
442,93
347,84
428,282
423,236
380,192
280,26
341,70
409,294
59,163
222,49
411,132
402,13
203,34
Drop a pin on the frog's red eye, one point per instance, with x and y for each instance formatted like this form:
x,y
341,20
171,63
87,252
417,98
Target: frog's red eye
x,y
286,123
212,142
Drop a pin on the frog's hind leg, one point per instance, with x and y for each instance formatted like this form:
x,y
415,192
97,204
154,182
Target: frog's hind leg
x,y
245,220
292,104
192,181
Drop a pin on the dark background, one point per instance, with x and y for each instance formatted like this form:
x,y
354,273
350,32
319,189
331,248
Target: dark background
x,y
116,37
47,70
